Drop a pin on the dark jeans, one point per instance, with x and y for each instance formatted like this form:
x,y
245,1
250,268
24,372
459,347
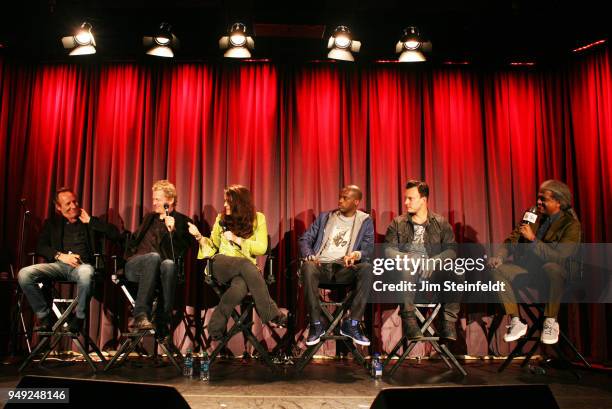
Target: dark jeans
x,y
242,276
328,273
451,309
147,270
30,276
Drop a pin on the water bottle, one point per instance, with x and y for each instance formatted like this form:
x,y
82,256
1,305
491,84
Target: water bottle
x,y
536,370
188,364
377,368
204,367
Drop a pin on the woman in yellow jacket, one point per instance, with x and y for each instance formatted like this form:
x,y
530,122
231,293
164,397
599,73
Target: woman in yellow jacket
x,y
238,236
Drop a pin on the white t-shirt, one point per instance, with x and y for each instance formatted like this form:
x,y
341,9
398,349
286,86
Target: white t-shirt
x,y
337,244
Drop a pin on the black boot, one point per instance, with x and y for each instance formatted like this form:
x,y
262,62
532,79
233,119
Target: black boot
x,y
447,330
280,321
75,325
410,325
44,324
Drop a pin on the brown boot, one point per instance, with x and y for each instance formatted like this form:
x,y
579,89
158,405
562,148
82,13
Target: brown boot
x,y
142,322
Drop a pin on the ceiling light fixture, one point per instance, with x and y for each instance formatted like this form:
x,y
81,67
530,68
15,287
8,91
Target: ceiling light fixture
x,y
341,45
82,43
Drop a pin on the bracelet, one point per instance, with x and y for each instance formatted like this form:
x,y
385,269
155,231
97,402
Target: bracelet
x,y
198,237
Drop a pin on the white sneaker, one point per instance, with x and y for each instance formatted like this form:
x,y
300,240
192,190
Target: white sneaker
x,y
516,329
550,332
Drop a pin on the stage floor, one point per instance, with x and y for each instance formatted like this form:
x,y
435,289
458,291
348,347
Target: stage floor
x,y
329,383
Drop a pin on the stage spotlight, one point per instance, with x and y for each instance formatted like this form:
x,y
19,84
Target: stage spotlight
x,y
341,45
411,46
163,43
237,44
82,43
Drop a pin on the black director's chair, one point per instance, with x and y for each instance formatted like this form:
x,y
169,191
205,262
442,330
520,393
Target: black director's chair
x,y
132,339
535,312
243,319
62,308
333,330
429,336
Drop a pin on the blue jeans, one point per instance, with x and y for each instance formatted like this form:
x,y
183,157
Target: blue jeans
x,y
147,270
30,276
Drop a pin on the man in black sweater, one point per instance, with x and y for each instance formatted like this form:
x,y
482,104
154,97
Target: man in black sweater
x,y
68,242
162,237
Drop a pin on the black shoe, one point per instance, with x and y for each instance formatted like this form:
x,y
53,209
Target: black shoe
x,y
410,326
315,332
142,322
217,327
447,330
75,325
44,325
280,321
348,329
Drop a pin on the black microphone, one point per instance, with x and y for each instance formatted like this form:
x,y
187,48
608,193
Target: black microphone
x,y
166,207
223,226
530,216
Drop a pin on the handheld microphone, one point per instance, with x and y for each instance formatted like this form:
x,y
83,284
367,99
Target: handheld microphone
x,y
530,216
223,226
166,207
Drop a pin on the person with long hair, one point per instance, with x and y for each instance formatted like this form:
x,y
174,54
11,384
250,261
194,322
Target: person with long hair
x,y
238,236
545,246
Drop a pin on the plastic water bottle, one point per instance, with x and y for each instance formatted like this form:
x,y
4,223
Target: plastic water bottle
x,y
204,367
536,370
377,367
188,364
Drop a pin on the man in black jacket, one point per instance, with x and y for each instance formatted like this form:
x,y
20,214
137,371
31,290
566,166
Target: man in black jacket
x,y
151,256
421,233
68,242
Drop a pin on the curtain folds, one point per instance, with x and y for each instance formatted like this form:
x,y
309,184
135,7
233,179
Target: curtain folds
x,y
483,139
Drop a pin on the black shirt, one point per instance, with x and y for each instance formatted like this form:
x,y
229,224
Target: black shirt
x,y
75,240
152,239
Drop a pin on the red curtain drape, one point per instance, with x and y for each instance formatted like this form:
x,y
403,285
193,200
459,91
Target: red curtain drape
x,y
295,134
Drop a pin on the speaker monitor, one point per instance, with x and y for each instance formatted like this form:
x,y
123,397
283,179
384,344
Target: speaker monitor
x,y
498,397
85,393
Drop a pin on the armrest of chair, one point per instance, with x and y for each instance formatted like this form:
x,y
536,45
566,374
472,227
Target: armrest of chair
x,y
207,271
180,269
270,278
299,262
117,275
32,256
98,261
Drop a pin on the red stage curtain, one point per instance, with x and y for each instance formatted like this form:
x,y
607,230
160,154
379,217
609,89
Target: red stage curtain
x,y
590,115
483,139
